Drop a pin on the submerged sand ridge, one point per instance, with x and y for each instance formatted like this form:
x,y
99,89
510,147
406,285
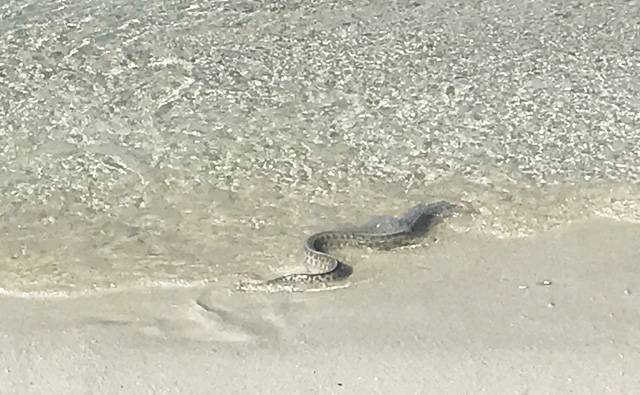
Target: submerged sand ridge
x,y
555,313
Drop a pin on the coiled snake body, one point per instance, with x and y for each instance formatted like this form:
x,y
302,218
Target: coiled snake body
x,y
381,232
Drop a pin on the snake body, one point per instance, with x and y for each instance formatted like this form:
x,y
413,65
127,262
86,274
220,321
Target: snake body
x,y
383,232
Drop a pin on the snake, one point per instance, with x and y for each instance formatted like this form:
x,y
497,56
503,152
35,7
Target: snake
x,y
380,232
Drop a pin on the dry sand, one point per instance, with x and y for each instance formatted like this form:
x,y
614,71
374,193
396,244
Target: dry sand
x,y
552,314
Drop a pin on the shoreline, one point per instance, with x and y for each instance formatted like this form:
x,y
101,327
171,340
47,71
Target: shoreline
x,y
548,314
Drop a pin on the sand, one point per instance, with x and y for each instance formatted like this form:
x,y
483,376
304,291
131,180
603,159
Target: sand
x,y
151,153
556,313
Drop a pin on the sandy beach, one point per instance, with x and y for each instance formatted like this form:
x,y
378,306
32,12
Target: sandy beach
x,y
153,154
467,315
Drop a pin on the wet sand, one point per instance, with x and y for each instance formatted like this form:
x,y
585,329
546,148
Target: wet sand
x,y
555,313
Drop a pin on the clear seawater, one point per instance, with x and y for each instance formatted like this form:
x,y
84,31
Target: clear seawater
x,y
188,142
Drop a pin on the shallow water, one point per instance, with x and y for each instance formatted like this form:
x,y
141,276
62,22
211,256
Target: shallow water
x,y
178,144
